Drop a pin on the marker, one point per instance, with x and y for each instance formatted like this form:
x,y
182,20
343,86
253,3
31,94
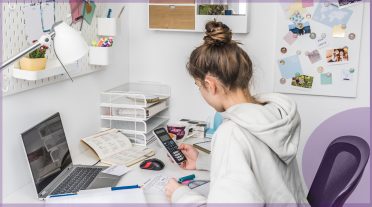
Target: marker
x,y
186,182
125,187
189,177
109,13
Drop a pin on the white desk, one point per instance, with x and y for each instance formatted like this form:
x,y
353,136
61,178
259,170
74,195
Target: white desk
x,y
28,194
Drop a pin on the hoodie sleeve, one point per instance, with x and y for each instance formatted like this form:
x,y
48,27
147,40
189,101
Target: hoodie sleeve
x,y
185,195
203,162
232,179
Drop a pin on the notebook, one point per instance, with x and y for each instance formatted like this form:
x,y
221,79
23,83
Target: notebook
x,y
114,148
203,146
102,196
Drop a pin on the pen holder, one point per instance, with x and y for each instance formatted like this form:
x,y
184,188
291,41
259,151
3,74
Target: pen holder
x,y
107,26
99,55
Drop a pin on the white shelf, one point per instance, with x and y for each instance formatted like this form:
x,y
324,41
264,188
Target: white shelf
x,y
133,127
53,68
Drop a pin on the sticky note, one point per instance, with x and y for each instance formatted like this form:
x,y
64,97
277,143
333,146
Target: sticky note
x,y
290,38
326,78
322,41
339,31
290,67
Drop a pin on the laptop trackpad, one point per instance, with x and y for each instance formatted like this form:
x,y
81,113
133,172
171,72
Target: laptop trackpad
x,y
104,180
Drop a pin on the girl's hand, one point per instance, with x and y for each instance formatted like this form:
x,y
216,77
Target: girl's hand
x,y
171,186
191,155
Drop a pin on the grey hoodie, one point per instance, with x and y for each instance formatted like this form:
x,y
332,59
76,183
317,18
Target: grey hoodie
x,y
253,156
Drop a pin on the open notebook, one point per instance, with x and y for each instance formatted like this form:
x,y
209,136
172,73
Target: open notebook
x,y
114,148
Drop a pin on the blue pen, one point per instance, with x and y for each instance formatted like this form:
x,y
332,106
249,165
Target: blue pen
x,y
124,187
109,13
62,195
189,177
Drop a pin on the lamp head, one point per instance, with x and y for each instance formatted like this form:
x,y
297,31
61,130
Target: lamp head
x,y
69,44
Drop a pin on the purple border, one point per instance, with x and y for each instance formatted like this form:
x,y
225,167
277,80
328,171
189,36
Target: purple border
x,y
140,205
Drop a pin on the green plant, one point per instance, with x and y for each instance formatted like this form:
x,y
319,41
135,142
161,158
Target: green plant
x,y
39,52
208,9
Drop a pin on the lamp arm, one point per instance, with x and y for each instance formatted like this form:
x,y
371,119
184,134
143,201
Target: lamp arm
x,y
45,39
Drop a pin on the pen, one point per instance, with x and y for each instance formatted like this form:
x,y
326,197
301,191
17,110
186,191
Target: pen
x,y
124,187
109,13
121,11
62,195
189,177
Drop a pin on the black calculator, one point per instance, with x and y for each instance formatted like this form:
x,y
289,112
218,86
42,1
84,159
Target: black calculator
x,y
170,145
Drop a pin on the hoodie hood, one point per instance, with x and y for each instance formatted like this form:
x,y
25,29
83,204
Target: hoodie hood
x,y
277,123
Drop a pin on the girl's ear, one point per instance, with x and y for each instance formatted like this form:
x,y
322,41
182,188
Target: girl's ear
x,y
210,84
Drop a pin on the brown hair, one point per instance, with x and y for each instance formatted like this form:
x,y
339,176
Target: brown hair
x,y
221,57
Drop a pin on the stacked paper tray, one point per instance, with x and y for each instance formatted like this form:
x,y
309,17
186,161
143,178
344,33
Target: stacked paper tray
x,y
136,109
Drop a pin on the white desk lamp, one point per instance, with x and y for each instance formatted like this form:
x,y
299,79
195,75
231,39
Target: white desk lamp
x,y
69,46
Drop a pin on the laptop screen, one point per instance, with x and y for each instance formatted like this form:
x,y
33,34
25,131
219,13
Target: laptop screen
x,y
47,150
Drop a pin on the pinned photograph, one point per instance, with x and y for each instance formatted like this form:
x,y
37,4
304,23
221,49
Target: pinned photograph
x,y
303,81
300,28
314,56
296,18
337,56
346,3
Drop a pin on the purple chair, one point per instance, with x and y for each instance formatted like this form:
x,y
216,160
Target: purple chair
x,y
339,172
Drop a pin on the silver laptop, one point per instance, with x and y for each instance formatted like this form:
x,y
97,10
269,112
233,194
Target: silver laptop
x,y
51,165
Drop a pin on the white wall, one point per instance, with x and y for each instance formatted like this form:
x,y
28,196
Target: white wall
x,y
78,103
161,56
158,56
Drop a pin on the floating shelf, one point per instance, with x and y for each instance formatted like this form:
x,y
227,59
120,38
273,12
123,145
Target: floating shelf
x,y
53,68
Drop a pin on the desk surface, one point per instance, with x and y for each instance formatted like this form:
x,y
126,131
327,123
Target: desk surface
x,y
27,194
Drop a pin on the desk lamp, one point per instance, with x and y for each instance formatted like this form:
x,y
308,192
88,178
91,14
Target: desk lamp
x,y
69,46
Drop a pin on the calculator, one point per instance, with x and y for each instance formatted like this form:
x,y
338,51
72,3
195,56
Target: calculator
x,y
170,145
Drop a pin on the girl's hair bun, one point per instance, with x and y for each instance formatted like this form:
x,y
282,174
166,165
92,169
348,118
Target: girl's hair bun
x,y
217,33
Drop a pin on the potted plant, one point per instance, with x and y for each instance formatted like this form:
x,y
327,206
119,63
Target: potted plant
x,y
35,61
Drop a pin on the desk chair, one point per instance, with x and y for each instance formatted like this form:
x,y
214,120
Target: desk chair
x,y
339,172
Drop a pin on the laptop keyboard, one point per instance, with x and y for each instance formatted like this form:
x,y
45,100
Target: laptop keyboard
x,y
79,179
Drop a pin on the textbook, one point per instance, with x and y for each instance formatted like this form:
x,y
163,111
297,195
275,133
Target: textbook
x,y
114,148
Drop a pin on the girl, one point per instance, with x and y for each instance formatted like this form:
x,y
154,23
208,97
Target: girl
x,y
254,150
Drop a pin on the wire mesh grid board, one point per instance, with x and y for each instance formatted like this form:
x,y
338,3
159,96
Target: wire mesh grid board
x,y
15,40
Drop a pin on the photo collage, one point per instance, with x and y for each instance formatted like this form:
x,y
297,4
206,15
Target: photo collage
x,y
324,30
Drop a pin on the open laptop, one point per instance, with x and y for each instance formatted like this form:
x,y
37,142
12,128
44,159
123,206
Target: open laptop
x,y
51,165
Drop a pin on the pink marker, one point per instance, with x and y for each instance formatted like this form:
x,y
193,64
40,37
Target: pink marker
x,y
186,182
